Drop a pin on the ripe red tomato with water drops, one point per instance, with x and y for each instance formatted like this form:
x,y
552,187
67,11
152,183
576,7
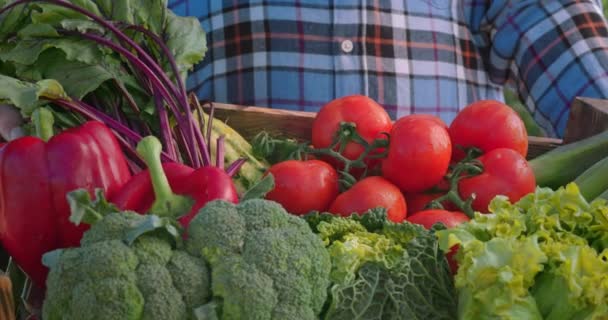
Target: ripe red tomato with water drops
x,y
304,186
419,153
370,119
370,193
488,125
427,218
450,219
505,172
418,201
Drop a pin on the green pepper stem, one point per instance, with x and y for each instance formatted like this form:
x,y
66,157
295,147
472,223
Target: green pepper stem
x,y
166,202
43,122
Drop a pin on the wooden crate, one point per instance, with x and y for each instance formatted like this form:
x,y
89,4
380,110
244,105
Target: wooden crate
x,y
588,117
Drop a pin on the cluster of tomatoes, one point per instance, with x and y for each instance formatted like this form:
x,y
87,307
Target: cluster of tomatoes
x,y
417,166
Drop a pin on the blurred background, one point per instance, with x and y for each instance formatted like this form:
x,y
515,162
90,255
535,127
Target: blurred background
x,y
513,100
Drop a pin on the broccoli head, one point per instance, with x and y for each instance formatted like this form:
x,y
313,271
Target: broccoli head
x,y
246,261
266,263
108,278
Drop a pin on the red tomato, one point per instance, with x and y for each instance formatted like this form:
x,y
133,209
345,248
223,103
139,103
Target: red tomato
x,y
428,218
488,125
417,201
369,193
419,153
304,186
450,219
369,117
506,172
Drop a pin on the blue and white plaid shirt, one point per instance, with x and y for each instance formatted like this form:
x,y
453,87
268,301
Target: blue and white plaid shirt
x,y
412,56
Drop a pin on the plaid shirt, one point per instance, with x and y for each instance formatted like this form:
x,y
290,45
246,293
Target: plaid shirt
x,y
414,56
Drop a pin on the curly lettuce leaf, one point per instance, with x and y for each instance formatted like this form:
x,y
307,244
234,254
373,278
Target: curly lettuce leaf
x,y
573,285
394,272
544,257
494,278
356,249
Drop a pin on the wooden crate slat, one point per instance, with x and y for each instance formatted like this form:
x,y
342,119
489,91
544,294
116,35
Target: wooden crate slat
x,y
588,117
539,145
249,121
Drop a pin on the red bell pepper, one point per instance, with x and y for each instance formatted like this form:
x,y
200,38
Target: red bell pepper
x,y
34,178
151,190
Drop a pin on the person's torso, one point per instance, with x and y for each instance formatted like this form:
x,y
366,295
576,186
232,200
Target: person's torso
x,y
412,56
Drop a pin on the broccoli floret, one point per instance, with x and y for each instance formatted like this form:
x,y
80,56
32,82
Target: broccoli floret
x,y
94,282
190,277
246,292
111,227
106,278
266,264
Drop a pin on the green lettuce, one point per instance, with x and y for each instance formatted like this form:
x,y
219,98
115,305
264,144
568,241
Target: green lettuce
x,y
544,257
383,270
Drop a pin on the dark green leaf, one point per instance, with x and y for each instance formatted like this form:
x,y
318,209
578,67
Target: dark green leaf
x,y
153,223
373,220
51,258
81,25
87,210
54,14
12,20
315,218
152,14
27,51
25,95
38,30
116,10
260,189
7,69
76,77
186,40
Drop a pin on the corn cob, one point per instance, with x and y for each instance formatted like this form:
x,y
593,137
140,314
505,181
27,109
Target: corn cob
x,y
235,147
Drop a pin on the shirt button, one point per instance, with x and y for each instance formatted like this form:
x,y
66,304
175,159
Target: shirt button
x,y
347,46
